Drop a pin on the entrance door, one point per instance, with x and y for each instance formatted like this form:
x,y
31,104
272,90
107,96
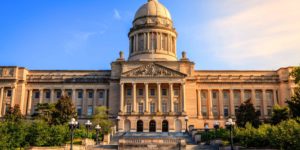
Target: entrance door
x,y
165,126
152,126
140,126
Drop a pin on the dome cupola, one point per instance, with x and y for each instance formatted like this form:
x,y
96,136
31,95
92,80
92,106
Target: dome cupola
x,y
152,36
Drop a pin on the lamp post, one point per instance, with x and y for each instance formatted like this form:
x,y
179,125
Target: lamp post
x,y
88,125
229,124
72,126
206,129
118,119
216,126
97,128
186,118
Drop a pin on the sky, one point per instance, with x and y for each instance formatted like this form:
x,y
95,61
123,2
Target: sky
x,y
88,34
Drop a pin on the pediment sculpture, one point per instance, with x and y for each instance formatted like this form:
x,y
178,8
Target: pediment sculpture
x,y
153,70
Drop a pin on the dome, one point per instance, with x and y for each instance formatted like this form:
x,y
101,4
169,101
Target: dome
x,y
153,8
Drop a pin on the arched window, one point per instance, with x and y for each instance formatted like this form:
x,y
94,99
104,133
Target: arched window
x,y
153,43
152,126
141,45
140,126
131,45
164,42
165,126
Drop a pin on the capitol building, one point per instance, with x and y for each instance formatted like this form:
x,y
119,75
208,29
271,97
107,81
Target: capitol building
x,y
152,90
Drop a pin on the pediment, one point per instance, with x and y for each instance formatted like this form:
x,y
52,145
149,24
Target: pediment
x,y
153,70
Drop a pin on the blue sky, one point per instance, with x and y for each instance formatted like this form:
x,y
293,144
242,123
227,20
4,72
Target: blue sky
x,y
78,34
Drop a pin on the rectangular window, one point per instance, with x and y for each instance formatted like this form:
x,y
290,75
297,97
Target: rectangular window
x,y
58,94
215,111
141,107
79,110
141,92
128,108
128,92
101,94
80,94
48,94
236,109
204,111
141,43
247,95
90,111
269,110
91,94
215,96
37,95
164,107
69,93
164,92
152,107
9,93
152,92
226,111
176,92
237,98
176,108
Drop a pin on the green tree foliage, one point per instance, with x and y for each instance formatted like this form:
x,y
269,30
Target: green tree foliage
x,y
64,111
294,104
247,113
44,112
13,134
101,117
296,74
13,114
279,114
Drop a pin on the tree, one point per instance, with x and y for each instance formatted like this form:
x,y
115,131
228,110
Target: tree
x,y
64,111
44,112
296,74
247,113
101,117
294,104
279,114
13,114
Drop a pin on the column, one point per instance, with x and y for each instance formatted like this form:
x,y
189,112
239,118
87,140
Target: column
x,y
253,99
264,104
209,105
183,97
84,102
199,103
171,97
41,96
242,96
146,98
159,97
74,97
221,104
134,97
95,101
275,102
63,92
52,96
121,97
13,95
1,100
231,103
29,107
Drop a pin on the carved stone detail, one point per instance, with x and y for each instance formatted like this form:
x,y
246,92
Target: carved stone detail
x,y
153,70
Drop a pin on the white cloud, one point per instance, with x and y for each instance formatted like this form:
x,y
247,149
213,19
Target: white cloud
x,y
260,35
117,14
77,41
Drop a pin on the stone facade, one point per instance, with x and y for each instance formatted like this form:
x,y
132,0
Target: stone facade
x,y
152,91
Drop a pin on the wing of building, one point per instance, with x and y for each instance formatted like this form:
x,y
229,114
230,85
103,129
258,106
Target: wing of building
x,y
153,90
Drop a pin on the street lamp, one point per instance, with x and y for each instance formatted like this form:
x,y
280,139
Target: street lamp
x,y
118,119
186,118
206,129
72,126
216,126
97,128
229,124
88,125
